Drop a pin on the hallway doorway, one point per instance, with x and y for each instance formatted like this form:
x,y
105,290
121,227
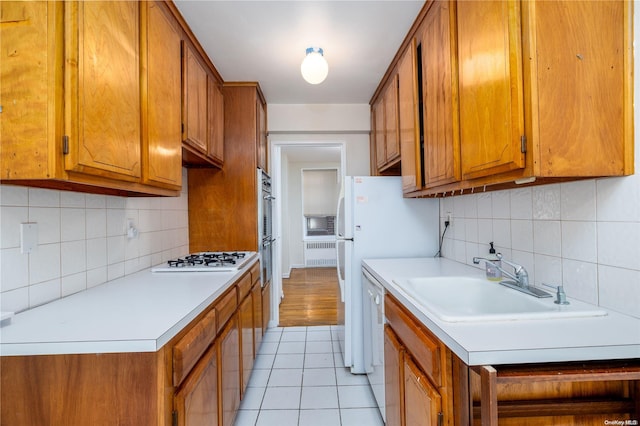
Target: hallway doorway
x,y
311,297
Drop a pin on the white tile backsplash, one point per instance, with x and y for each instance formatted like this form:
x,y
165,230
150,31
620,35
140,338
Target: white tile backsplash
x,y
43,198
546,237
73,224
546,202
584,235
579,241
82,240
619,289
619,198
578,200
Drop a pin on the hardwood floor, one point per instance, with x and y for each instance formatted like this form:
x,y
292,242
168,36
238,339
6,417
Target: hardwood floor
x,y
310,297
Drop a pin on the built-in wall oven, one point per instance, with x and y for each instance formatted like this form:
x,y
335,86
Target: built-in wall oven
x,y
265,234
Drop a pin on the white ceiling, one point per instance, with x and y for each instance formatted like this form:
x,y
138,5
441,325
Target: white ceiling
x,y
265,41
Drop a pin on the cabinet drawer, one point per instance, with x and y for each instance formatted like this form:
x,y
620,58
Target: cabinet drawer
x,y
191,347
424,346
244,286
225,307
255,272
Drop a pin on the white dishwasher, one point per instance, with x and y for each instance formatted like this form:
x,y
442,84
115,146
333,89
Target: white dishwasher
x,y
373,310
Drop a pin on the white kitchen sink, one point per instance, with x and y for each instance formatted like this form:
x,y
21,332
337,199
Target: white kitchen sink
x,y
464,299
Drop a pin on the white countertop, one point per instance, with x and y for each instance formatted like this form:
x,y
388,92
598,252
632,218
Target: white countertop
x,y
614,336
137,313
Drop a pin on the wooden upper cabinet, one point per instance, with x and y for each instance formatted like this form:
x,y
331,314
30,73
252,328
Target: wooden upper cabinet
x,y
202,112
261,137
385,135
379,135
216,196
490,79
440,95
579,67
194,100
392,129
216,121
76,119
408,120
103,89
31,124
161,100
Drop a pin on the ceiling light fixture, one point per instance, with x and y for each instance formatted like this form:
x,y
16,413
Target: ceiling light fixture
x,y
314,67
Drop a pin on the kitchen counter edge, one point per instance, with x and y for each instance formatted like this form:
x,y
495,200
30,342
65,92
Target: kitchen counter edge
x,y
26,334
454,335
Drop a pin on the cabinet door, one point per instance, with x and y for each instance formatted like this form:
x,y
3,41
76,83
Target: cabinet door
x,y
162,159
439,94
194,99
491,90
196,403
408,120
246,336
578,81
256,295
102,88
27,127
216,121
261,127
422,402
379,132
391,127
393,379
229,372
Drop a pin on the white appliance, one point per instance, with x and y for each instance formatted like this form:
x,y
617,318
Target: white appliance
x,y
375,221
373,307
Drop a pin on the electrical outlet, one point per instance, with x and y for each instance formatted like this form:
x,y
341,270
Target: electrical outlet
x,y
28,237
449,217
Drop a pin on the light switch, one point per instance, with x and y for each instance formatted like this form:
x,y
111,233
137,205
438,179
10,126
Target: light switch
x,y
28,237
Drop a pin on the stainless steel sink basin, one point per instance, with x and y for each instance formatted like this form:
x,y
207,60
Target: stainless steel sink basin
x,y
460,299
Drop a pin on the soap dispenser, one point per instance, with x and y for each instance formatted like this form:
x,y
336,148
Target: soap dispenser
x,y
491,265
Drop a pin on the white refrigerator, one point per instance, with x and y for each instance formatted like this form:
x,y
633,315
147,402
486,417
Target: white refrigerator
x,y
375,221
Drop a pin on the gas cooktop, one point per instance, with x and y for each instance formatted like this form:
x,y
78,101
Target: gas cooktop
x,y
207,261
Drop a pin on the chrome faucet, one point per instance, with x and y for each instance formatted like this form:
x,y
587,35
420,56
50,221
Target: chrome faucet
x,y
519,278
520,275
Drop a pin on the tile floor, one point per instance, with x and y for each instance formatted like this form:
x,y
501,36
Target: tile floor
x,y
298,380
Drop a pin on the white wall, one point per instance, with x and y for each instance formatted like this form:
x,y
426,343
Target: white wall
x,y
293,224
585,235
320,190
82,240
318,118
312,124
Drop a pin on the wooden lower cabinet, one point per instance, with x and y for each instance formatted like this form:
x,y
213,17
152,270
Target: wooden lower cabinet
x,y
193,380
393,379
411,399
245,317
88,389
256,296
192,403
422,399
426,384
229,373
